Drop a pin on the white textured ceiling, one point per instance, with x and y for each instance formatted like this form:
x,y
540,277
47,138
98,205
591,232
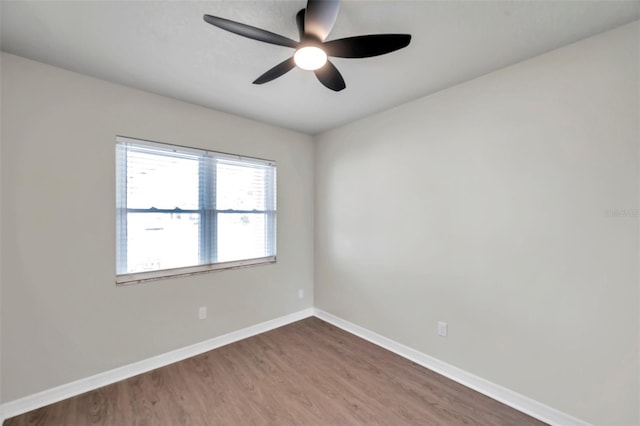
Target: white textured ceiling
x,y
165,47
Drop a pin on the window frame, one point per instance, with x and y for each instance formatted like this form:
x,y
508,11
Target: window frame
x,y
207,235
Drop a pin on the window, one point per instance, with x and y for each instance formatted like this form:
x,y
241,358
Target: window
x,y
182,211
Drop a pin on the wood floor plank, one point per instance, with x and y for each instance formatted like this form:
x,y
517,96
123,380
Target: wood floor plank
x,y
306,373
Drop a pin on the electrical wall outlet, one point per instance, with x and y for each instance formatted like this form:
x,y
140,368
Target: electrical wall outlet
x,y
442,329
202,313
301,293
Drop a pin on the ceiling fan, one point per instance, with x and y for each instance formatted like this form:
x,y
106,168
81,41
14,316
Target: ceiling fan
x,y
314,25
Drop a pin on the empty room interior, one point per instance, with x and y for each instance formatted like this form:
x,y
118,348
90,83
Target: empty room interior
x,y
320,212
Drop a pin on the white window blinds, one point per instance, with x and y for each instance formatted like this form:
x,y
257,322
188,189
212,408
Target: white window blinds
x,y
182,210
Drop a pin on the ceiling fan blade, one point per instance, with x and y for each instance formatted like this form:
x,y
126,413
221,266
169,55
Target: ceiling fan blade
x,y
366,46
330,77
300,23
275,72
250,32
320,17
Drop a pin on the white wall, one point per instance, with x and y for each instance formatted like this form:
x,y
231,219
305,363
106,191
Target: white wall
x,y
484,205
62,316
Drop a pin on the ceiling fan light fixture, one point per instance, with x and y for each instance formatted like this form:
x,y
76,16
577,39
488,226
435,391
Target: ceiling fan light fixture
x,y
310,58
314,23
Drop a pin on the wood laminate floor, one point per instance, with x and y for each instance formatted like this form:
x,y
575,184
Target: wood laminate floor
x,y
306,373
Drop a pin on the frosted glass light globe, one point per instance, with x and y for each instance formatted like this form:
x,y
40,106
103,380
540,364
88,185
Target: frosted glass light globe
x,y
310,58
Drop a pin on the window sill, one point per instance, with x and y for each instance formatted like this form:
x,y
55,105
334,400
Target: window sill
x,y
140,277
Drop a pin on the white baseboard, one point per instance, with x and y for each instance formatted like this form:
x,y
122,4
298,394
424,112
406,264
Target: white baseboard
x,y
50,396
506,396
